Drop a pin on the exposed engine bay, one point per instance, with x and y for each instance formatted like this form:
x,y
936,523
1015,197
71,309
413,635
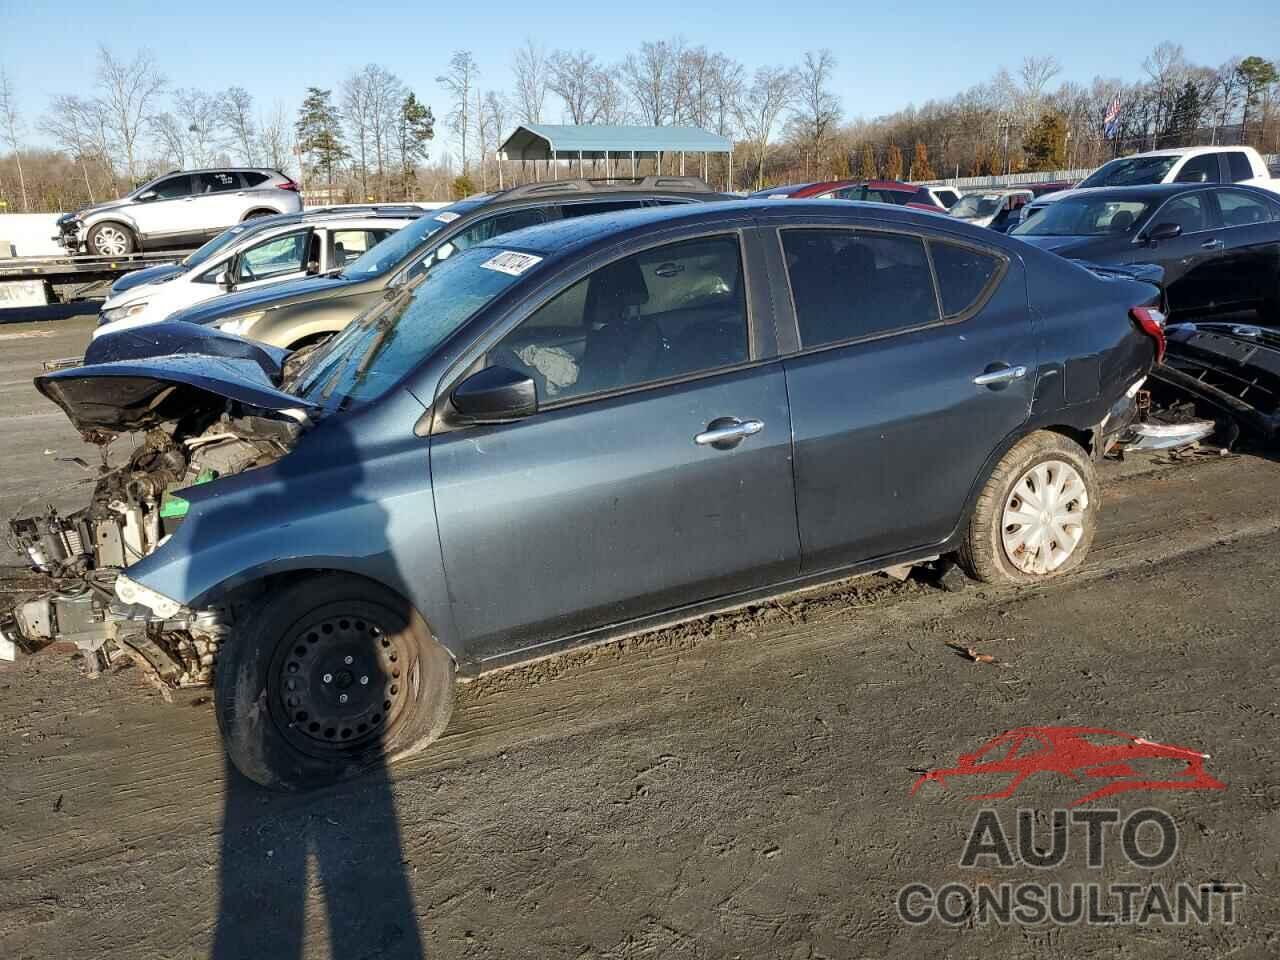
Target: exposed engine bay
x,y
133,509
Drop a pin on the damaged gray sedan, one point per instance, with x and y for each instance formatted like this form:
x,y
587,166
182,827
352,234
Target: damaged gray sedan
x,y
576,432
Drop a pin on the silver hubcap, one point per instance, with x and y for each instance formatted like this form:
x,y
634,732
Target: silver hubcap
x,y
1044,517
111,242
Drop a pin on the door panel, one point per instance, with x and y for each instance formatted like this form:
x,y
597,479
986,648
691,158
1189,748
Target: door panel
x,y
1193,261
599,512
1251,260
220,201
169,213
891,433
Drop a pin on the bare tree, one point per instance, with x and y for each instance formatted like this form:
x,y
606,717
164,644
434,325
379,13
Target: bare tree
x,y
650,77
1036,72
460,82
236,111
1165,67
532,69
168,131
608,97
276,138
818,108
199,115
772,91
726,91
356,110
574,78
1226,93
71,123
12,122
128,91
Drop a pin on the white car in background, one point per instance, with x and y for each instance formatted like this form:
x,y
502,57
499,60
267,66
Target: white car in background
x,y
998,209
254,254
1179,165
944,196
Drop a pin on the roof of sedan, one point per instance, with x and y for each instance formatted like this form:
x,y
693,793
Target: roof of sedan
x,y
564,237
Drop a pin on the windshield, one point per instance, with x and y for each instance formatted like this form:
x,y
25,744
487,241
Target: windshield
x,y
223,240
381,257
1130,172
378,348
1085,217
973,206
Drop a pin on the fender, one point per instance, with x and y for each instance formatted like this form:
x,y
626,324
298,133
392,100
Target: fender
x,y
348,498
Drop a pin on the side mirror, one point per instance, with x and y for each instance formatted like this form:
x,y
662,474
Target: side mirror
x,y
148,195
223,279
1164,231
495,395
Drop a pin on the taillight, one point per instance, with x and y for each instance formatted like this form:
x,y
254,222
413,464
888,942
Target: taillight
x,y
1151,322
288,185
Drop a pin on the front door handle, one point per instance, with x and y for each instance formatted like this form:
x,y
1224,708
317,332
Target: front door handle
x,y
724,433
1003,375
1213,244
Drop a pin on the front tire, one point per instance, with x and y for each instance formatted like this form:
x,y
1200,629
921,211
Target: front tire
x,y
332,676
1037,514
110,239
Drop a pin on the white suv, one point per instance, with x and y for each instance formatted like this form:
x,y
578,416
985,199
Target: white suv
x,y
181,208
251,255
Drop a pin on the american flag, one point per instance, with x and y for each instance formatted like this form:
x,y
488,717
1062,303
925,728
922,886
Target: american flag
x,y
1111,122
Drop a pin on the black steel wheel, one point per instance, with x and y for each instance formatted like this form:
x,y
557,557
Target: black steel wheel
x,y
332,676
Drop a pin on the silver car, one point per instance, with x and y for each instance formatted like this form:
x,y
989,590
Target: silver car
x,y
181,208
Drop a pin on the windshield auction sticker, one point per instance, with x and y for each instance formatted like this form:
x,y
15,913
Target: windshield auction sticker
x,y
511,262
447,217
1083,863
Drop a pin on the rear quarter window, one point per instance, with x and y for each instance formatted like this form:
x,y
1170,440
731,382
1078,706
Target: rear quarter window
x,y
1239,166
965,275
252,179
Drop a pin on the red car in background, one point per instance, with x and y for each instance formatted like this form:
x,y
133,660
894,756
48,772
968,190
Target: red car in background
x,y
873,191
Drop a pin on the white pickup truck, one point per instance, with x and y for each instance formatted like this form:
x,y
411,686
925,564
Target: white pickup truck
x,y
1179,165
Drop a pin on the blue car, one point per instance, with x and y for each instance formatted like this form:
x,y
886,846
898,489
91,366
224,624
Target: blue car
x,y
574,432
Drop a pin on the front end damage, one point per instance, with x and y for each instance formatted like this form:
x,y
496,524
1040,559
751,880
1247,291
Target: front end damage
x,y
200,418
83,556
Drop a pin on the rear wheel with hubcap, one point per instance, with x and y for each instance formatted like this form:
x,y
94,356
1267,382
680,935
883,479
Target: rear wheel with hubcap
x,y
334,675
1037,514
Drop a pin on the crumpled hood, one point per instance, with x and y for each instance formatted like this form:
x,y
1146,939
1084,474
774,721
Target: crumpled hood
x,y
166,271
95,208
232,304
138,379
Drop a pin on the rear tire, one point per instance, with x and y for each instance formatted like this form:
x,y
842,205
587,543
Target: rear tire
x,y
1037,514
110,239
255,214
333,675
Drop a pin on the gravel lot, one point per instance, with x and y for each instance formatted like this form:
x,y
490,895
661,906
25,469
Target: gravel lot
x,y
736,788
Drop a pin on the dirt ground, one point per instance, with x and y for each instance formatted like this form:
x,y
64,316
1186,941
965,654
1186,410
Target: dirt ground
x,y
736,788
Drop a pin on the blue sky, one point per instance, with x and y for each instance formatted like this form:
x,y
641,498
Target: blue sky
x,y
887,58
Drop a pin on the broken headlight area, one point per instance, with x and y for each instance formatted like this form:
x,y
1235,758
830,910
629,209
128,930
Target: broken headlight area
x,y
88,600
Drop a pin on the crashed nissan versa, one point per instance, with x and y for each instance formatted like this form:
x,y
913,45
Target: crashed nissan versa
x,y
571,433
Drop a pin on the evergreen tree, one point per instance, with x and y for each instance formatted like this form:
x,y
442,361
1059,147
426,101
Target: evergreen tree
x,y
319,132
893,165
416,127
1045,145
920,169
867,167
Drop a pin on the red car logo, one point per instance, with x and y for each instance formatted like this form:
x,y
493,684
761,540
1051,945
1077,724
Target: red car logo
x,y
1080,753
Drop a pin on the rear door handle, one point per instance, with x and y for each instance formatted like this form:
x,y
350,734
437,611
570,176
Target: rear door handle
x,y
1211,244
1003,375
726,432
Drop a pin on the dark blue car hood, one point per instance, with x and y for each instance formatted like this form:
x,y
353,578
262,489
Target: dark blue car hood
x,y
150,275
138,379
235,303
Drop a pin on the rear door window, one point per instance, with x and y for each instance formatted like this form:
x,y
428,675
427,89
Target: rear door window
x,y
1241,210
848,284
1201,169
349,245
217,181
1239,166
964,275
669,311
